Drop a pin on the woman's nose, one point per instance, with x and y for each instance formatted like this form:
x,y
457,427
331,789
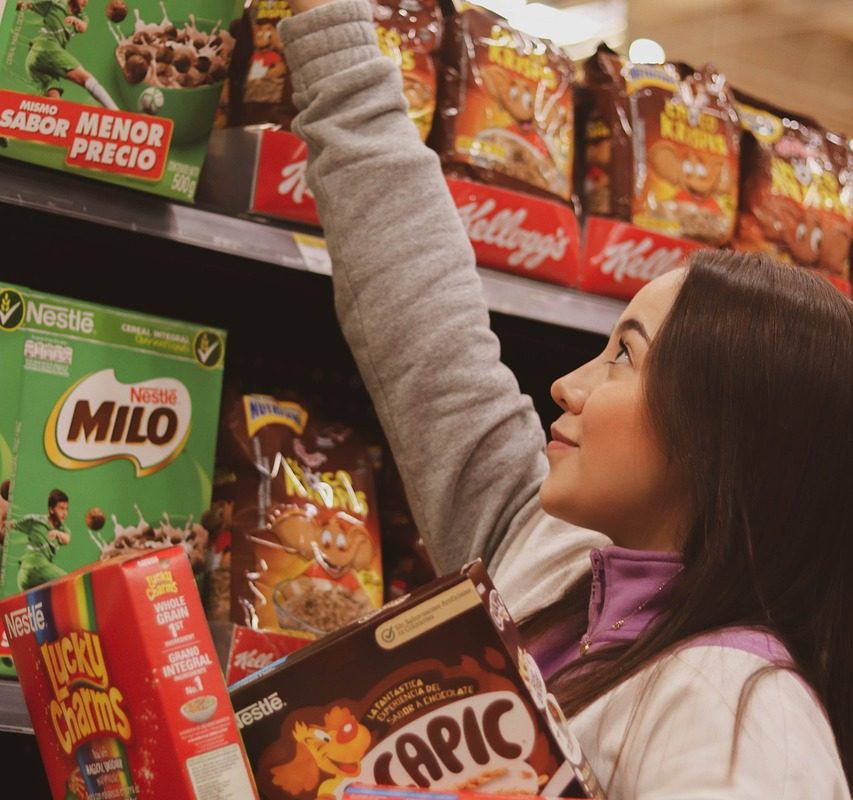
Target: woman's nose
x,y
569,393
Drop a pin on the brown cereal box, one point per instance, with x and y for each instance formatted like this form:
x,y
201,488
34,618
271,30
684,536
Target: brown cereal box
x,y
297,527
121,680
505,111
797,202
661,147
434,690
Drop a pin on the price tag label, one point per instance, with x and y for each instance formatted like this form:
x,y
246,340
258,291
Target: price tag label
x,y
314,253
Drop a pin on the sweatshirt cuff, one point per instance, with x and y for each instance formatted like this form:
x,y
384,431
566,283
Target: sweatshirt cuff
x,y
328,39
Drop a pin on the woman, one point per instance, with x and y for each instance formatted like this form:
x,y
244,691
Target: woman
x,y
709,444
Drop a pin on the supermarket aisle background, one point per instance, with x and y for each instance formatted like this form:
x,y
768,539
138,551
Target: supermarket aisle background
x,y
797,54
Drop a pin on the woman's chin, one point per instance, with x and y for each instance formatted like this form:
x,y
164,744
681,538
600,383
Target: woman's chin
x,y
554,503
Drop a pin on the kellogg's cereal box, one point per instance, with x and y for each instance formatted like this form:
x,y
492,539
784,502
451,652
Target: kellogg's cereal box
x,y
505,112
434,691
114,434
797,203
123,687
661,147
123,91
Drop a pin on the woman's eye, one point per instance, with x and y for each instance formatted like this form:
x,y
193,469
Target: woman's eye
x,y
622,355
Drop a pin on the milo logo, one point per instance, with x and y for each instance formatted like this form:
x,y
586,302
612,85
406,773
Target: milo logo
x,y
100,419
12,309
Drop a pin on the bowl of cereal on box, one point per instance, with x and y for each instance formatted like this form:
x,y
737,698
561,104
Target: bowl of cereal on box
x,y
174,70
199,709
317,605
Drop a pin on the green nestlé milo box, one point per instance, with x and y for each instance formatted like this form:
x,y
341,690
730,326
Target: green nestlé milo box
x,y
124,91
11,319
114,435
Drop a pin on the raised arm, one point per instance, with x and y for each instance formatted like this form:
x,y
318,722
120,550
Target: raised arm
x,y
468,443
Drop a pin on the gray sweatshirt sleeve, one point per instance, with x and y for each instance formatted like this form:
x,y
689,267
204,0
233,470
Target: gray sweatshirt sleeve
x,y
469,445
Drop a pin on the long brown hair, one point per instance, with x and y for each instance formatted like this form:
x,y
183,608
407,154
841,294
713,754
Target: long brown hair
x,y
749,386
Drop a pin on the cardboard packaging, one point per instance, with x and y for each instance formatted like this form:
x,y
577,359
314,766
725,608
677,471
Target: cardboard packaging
x,y
433,690
243,650
120,676
124,91
116,412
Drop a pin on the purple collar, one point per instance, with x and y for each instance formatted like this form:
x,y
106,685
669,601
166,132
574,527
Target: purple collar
x,y
626,585
629,589
634,586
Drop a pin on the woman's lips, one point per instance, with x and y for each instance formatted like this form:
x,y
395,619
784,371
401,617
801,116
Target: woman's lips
x,y
560,442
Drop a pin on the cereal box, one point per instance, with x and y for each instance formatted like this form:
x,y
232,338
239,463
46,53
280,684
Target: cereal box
x,y
434,690
121,681
661,147
11,317
297,504
114,435
124,91
505,106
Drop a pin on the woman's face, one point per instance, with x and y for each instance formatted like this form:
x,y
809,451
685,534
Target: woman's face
x,y
608,472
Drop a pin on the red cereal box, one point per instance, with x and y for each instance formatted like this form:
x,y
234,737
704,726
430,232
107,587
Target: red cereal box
x,y
120,676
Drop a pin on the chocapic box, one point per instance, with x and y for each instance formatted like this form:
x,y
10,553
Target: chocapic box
x,y
434,690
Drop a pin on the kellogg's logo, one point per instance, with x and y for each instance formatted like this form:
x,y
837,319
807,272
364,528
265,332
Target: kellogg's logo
x,y
253,660
641,259
505,230
101,419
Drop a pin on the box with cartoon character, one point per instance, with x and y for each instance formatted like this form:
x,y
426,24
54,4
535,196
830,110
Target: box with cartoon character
x,y
434,690
124,91
294,524
114,435
122,684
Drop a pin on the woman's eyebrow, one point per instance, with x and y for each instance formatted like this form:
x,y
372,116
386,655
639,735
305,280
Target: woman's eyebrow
x,y
632,324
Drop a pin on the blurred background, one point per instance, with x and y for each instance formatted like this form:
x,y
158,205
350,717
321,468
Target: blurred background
x,y
796,54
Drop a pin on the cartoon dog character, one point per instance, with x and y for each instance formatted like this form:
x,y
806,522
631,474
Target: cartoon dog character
x,y
333,749
338,542
529,158
267,67
697,175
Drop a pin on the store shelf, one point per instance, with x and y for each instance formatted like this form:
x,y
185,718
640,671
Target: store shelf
x,y
276,243
14,716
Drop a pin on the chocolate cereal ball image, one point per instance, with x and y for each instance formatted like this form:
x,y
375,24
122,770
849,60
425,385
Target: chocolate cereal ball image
x,y
116,10
95,519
